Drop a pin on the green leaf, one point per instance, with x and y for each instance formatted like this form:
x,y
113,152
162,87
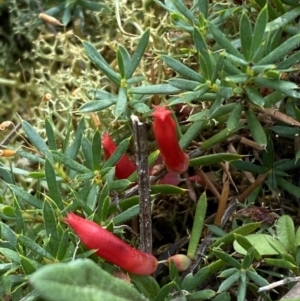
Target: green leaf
x,y
256,278
284,19
189,283
33,246
247,166
286,233
228,259
121,102
229,238
234,117
146,285
88,283
213,159
167,189
288,186
184,11
254,96
96,150
229,282
258,33
27,197
223,41
50,134
100,63
205,59
205,294
183,84
191,133
97,105
119,152
121,63
36,140
263,243
138,54
246,35
50,224
66,161
8,234
281,51
245,243
197,226
27,265
164,292
182,69
73,149
93,6
155,89
86,147
53,189
256,128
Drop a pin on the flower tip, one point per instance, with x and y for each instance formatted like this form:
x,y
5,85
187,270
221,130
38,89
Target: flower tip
x,y
161,112
182,262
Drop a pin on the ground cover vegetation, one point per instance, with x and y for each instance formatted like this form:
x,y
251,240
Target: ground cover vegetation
x,y
149,150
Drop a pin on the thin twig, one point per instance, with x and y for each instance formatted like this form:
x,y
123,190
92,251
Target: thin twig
x,y
140,133
278,283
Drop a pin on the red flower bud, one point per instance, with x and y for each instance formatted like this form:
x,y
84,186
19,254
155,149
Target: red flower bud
x,y
182,262
164,127
124,167
110,247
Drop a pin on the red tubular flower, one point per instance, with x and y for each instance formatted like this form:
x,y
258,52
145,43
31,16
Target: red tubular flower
x,y
124,167
110,247
164,127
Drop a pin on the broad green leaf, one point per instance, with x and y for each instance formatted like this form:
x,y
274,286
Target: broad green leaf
x,y
263,243
197,226
258,33
121,102
54,191
254,96
213,159
164,292
245,35
36,140
245,243
88,283
100,63
182,69
234,117
286,233
256,128
146,285
138,53
229,238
